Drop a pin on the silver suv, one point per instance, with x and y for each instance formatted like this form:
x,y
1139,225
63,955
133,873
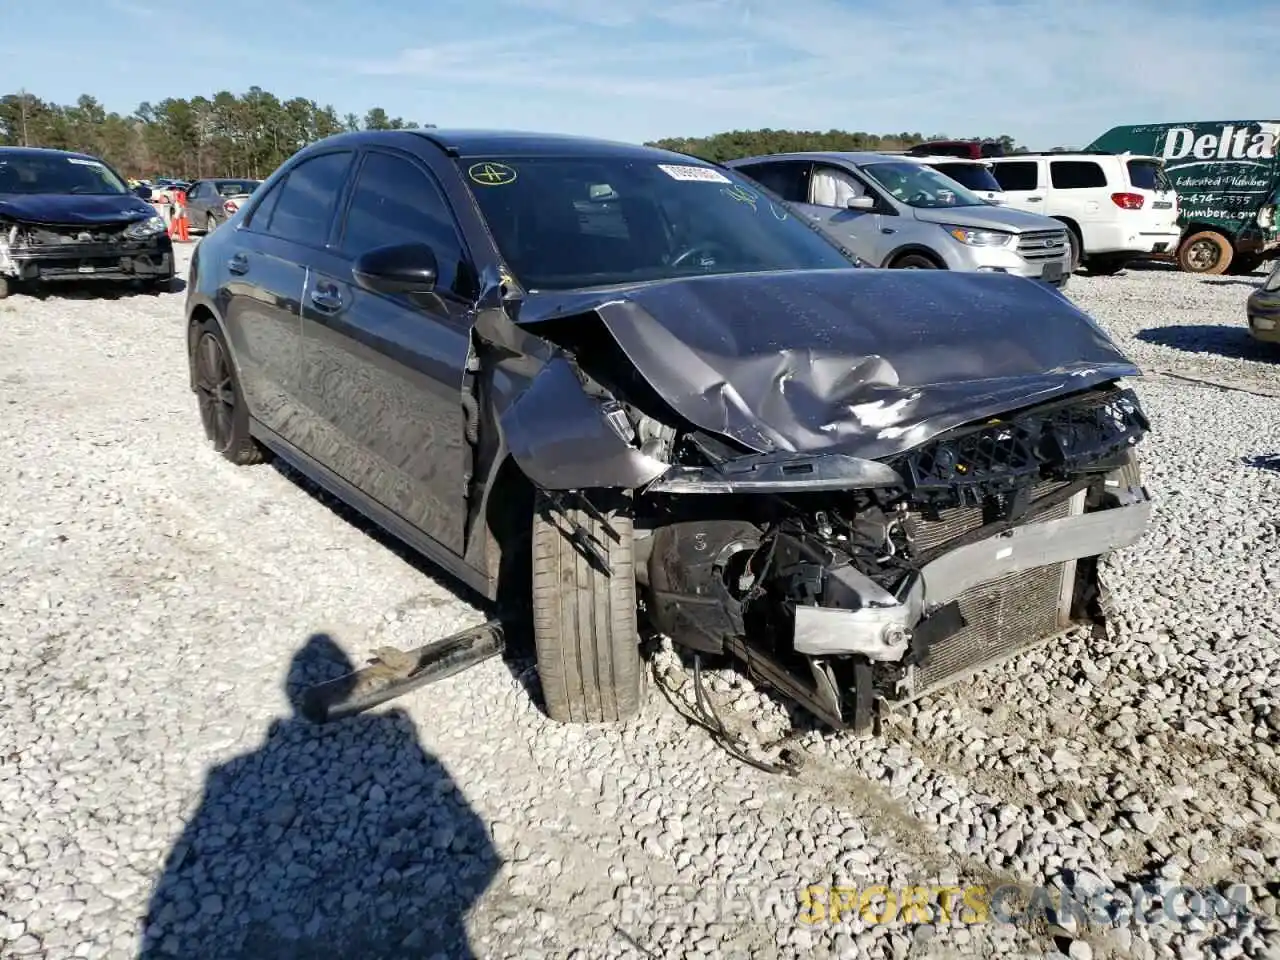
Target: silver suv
x,y
896,211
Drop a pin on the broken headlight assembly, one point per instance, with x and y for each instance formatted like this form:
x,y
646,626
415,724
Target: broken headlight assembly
x,y
144,229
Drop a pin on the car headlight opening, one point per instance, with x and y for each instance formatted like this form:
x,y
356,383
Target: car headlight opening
x,y
146,228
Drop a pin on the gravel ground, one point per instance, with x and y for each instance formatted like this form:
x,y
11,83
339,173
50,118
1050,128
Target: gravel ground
x,y
158,606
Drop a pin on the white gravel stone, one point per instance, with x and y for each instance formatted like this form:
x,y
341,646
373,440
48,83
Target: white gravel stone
x,y
155,793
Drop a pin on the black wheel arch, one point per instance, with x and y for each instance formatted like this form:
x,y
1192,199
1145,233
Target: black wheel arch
x,y
916,248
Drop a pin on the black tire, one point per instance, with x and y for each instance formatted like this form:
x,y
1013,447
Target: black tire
x,y
223,411
1207,252
584,620
1077,248
210,223
914,261
161,285
1105,266
1243,264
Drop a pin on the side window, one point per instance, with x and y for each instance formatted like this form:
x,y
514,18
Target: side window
x,y
789,180
308,199
1076,174
261,214
1017,174
395,201
832,187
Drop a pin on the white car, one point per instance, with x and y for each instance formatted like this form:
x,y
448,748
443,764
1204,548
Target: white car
x,y
1119,207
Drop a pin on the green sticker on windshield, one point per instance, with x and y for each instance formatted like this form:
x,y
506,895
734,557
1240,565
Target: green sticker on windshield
x,y
490,174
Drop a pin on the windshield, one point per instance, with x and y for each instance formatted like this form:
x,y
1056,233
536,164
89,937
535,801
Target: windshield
x,y
918,185
972,175
233,188
566,222
1148,175
36,173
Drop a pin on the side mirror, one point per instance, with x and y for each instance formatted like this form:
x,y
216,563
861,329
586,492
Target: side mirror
x,y
143,191
861,203
401,268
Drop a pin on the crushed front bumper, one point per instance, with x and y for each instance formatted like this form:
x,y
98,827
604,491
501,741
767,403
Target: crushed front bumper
x,y
883,626
124,259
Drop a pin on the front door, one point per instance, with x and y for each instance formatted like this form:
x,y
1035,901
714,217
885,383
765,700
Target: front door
x,y
383,372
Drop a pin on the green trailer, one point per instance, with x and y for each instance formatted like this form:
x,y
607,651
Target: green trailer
x,y
1227,176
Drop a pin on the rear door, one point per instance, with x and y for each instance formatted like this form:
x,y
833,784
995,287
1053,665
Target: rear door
x,y
1023,183
1081,189
266,268
384,372
1148,179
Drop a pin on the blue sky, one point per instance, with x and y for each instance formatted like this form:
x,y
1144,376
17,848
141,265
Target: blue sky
x,y
1046,71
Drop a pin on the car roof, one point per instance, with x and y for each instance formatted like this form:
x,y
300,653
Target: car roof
x,y
45,152
854,156
463,143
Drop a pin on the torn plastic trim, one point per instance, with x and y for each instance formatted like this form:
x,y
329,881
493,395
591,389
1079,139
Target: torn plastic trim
x,y
881,631
563,438
9,240
779,473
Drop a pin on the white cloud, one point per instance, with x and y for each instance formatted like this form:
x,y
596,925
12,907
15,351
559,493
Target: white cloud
x,y
1043,71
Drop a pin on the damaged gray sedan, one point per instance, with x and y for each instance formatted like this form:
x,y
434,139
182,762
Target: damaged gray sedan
x,y
609,386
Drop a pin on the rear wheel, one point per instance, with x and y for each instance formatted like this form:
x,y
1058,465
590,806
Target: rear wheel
x,y
584,619
222,408
1206,252
1077,248
210,223
1244,264
1105,266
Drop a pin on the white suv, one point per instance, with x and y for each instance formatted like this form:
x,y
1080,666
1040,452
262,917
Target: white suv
x,y
1119,206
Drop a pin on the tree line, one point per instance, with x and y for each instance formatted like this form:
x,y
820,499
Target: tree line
x,y
229,135
250,134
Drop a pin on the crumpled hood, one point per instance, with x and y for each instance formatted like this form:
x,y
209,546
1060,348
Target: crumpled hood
x,y
73,209
868,363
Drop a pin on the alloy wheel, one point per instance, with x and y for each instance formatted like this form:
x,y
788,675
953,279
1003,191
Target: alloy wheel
x,y
215,390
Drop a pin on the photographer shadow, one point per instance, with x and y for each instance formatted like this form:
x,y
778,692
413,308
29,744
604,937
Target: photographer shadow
x,y
337,841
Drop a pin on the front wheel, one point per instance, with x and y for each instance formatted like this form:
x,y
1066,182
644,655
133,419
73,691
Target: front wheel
x,y
914,261
210,223
584,618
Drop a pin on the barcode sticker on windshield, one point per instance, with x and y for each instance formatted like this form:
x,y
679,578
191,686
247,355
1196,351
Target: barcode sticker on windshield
x,y
83,163
706,174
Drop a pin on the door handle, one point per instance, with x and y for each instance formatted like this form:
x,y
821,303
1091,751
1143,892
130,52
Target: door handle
x,y
888,230
239,264
1034,199
326,299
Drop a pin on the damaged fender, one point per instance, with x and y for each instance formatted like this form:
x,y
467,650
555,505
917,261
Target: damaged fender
x,y
564,439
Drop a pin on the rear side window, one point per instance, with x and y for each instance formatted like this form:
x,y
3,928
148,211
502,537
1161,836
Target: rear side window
x,y
1076,174
397,202
308,199
972,175
1018,174
1148,175
788,180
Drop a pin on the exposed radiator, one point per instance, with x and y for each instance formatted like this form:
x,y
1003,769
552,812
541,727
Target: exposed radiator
x,y
1005,616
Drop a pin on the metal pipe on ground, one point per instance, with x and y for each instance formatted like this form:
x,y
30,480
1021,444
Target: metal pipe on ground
x,y
396,672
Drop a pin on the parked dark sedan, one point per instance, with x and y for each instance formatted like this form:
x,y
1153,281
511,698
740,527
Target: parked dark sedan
x,y
213,202
579,374
69,216
1263,308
